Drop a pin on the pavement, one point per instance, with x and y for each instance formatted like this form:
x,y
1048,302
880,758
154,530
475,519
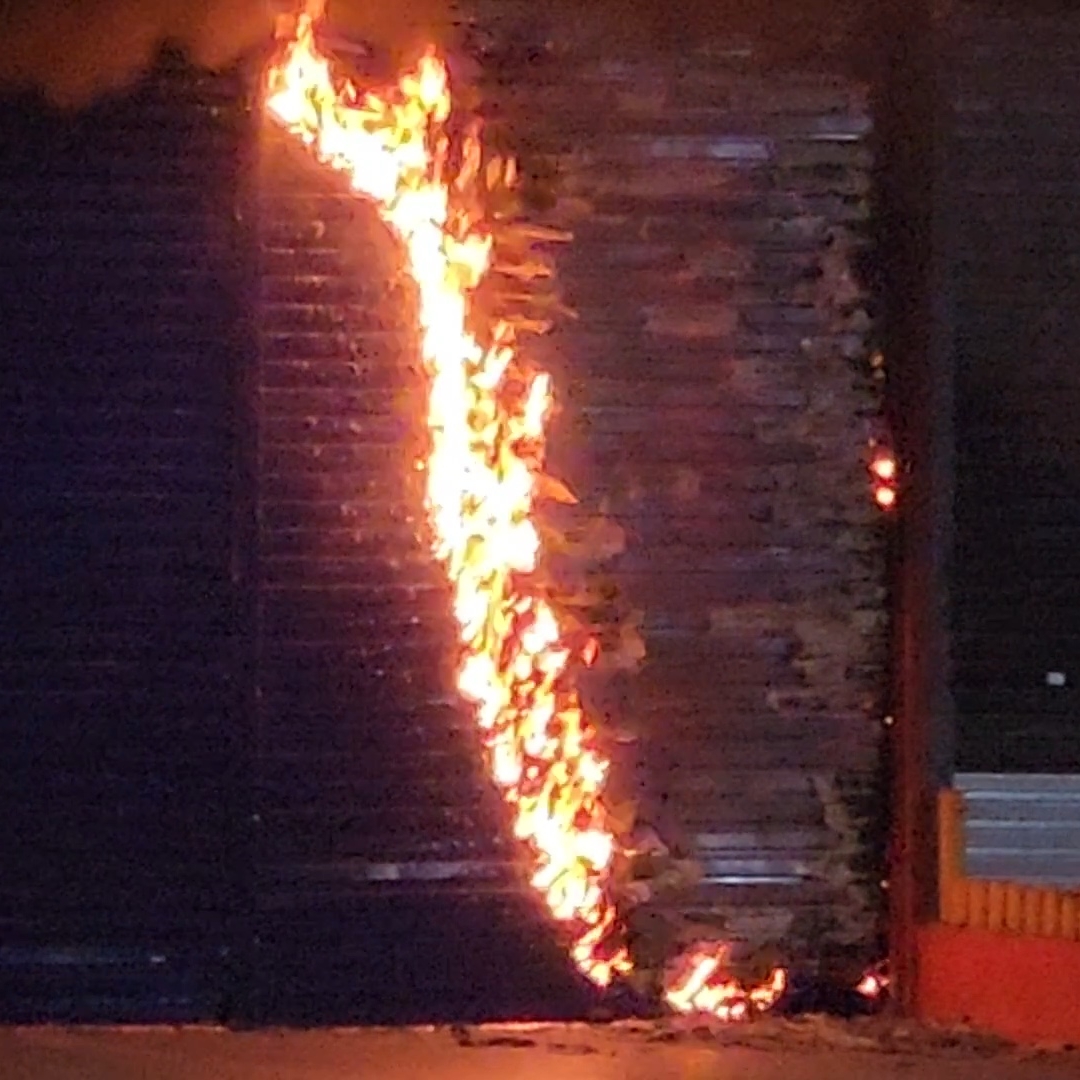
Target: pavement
x,y
809,1050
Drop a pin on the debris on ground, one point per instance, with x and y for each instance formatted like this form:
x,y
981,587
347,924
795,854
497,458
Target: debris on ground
x,y
808,1032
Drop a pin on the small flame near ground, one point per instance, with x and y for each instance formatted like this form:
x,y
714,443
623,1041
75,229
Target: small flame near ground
x,y
873,984
486,412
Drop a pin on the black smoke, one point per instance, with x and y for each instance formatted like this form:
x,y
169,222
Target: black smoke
x,y
76,50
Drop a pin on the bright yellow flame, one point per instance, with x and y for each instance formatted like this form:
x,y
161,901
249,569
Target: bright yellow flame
x,y
486,415
487,448
705,987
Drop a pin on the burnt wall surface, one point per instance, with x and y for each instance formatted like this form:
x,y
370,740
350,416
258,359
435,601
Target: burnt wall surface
x,y
120,792
717,400
1010,170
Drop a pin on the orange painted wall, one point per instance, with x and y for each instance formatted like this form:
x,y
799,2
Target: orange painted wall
x,y
1024,988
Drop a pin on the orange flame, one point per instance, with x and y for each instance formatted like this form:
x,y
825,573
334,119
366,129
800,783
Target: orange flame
x,y
706,987
486,415
487,448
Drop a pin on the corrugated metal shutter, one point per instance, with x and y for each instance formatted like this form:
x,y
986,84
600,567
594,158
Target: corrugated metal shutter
x,y
1014,251
119,783
726,428
386,882
714,401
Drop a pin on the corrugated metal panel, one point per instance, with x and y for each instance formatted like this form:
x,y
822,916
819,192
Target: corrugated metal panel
x,y
1012,171
386,880
367,754
726,428
1022,827
118,783
709,403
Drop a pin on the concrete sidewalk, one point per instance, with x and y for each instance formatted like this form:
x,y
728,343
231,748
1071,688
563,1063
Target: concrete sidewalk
x,y
554,1052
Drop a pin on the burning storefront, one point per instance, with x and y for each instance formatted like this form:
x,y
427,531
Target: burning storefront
x,y
661,464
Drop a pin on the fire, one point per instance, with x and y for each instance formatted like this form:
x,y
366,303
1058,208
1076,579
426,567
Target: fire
x,y
873,984
885,497
884,474
486,414
884,467
705,987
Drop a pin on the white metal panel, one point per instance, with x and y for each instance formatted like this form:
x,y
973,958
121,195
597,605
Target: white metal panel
x,y
1022,827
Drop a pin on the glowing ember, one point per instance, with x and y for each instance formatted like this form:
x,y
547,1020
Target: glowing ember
x,y
486,413
885,497
873,984
884,474
884,467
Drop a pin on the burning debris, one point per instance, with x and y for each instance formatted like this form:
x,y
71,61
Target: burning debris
x,y
705,987
433,184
